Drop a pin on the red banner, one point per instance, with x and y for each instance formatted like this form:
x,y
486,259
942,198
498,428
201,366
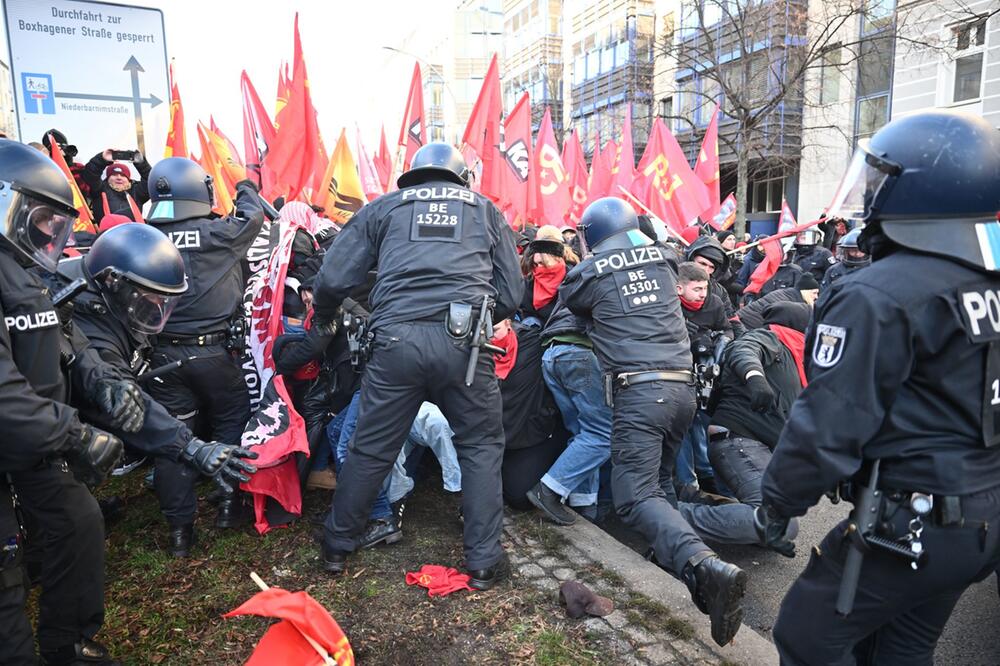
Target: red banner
x,y
517,156
176,135
576,166
707,166
483,132
666,184
623,171
383,164
258,137
552,181
412,134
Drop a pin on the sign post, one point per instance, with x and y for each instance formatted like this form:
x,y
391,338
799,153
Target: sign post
x,y
95,71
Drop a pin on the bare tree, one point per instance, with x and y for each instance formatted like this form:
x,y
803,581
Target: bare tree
x,y
754,56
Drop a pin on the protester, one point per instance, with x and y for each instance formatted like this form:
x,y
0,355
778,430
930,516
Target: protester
x,y
544,264
116,193
806,290
708,253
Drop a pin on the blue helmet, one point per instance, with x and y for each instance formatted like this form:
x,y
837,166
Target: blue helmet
x,y
140,274
179,189
611,223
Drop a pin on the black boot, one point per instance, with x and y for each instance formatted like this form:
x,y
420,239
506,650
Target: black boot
x,y
180,540
485,579
717,588
551,505
333,561
383,530
84,653
232,512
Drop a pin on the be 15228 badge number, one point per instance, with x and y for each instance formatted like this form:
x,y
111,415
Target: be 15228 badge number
x,y
829,345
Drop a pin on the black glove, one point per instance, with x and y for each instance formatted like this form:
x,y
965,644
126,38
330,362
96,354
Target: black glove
x,y
222,462
93,454
326,328
771,528
122,401
138,158
249,183
761,395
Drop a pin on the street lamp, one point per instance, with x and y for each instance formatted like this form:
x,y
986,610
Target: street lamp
x,y
434,69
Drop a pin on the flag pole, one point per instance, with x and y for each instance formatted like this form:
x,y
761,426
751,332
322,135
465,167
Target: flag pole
x,y
781,234
327,659
654,216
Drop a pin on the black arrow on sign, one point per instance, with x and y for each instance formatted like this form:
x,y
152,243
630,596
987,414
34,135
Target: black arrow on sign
x,y
133,67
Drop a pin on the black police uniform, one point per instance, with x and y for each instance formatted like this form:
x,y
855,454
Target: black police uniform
x,y
433,244
63,517
630,294
837,271
814,259
210,386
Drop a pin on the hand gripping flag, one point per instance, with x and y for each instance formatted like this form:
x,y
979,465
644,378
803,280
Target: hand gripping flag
x,y
306,635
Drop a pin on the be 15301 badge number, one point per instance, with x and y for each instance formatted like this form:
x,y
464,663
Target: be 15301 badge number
x,y
829,345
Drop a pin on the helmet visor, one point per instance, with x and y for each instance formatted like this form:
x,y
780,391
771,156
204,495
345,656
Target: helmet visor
x,y
39,229
144,310
865,177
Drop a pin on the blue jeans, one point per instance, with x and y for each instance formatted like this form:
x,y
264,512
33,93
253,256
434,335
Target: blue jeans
x,y
574,377
692,458
339,433
430,430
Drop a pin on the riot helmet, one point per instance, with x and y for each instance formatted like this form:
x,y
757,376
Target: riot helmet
x,y
140,275
436,161
809,237
611,224
848,251
36,205
929,182
179,189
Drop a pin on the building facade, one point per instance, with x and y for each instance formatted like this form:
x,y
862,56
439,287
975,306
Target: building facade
x,y
533,57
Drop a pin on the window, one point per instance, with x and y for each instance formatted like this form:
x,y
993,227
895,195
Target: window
x,y
970,35
877,16
765,195
666,107
969,40
873,112
874,66
829,91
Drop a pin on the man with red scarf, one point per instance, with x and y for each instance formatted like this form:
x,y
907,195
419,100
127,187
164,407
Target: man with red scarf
x,y
762,375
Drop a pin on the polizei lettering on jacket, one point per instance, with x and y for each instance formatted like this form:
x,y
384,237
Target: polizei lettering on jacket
x,y
637,256
425,193
30,322
980,309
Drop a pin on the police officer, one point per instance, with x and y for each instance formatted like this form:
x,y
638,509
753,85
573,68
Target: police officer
x,y
42,436
628,289
437,246
910,349
209,387
809,255
850,258
134,277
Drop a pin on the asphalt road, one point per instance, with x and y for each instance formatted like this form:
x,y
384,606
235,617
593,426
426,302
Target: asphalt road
x,y
969,638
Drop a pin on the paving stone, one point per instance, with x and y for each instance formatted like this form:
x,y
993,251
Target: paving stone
x,y
549,562
616,619
596,625
547,584
659,654
563,573
531,570
638,635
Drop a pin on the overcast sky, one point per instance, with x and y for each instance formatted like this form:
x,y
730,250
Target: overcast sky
x,y
351,77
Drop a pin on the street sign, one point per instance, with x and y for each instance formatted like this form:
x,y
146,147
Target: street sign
x,y
95,71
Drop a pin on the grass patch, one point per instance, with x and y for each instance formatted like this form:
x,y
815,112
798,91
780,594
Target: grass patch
x,y
531,526
654,616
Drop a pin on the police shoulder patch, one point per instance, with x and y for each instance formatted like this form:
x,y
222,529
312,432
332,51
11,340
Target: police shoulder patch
x,y
829,345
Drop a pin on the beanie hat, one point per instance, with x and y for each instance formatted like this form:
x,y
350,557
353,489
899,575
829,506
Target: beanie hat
x,y
806,281
723,235
788,314
117,169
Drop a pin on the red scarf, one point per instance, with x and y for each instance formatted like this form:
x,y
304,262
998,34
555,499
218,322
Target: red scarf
x,y
547,281
795,342
692,306
504,364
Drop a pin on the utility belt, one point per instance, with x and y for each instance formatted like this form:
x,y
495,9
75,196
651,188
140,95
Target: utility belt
x,y
461,323
206,340
945,510
616,381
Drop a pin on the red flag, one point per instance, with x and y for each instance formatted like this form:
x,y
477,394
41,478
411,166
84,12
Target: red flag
x,y
767,267
366,170
383,164
623,171
707,166
258,137
85,220
517,157
176,136
235,154
787,220
600,172
552,181
301,615
726,215
483,132
576,168
295,153
666,184
412,134
284,91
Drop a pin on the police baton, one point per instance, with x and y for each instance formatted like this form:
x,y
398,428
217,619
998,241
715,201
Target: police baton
x,y
479,341
162,370
862,522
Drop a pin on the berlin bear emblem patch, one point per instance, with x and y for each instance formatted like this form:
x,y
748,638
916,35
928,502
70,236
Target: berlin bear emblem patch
x,y
829,345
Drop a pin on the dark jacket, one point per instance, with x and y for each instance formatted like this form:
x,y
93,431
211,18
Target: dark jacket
x,y
730,403
93,174
752,314
710,317
528,309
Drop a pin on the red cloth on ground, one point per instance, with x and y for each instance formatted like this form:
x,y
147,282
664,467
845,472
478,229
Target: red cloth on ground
x,y
504,363
693,306
547,280
439,580
795,341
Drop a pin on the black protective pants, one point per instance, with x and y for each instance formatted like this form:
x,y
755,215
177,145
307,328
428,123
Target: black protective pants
x,y
64,523
17,645
898,613
209,389
411,363
649,422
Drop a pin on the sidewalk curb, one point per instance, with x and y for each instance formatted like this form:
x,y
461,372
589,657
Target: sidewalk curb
x,y
749,647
